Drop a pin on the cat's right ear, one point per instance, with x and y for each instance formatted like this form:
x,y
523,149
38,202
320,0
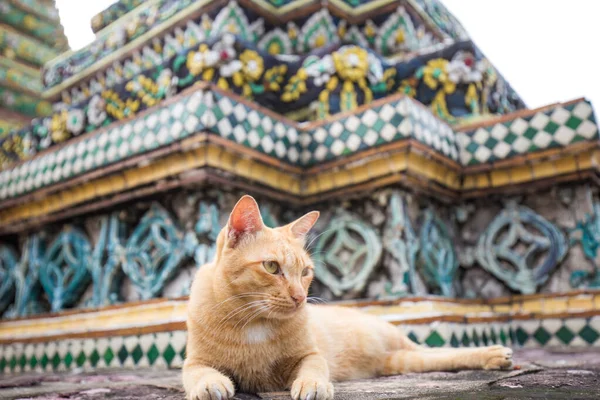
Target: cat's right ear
x,y
244,220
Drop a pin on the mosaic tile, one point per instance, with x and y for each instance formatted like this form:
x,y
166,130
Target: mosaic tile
x,y
556,127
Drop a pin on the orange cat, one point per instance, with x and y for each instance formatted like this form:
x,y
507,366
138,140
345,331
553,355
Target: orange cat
x,y
249,326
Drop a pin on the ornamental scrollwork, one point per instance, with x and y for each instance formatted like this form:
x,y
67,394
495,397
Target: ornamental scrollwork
x,y
8,263
106,261
589,239
521,248
154,251
402,244
208,229
64,272
437,260
346,254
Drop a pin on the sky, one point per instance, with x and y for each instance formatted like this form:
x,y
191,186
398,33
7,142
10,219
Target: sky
x,y
547,50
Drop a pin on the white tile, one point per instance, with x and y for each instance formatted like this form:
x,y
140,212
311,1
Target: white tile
x,y
337,147
481,136
369,118
587,129
582,110
564,135
482,154
388,132
335,130
518,127
521,145
267,143
352,123
501,150
542,139
560,116
539,121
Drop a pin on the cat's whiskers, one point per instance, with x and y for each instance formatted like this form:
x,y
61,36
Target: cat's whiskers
x,y
316,237
319,300
256,314
237,311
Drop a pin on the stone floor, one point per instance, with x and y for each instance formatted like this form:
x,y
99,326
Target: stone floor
x,y
538,375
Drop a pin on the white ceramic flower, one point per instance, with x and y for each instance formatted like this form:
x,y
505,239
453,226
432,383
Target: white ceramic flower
x,y
75,121
463,68
320,70
95,112
167,82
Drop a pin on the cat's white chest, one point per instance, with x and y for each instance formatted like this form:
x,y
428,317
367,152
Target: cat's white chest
x,y
258,334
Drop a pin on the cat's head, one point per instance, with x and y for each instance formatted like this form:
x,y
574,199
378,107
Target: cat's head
x,y
269,267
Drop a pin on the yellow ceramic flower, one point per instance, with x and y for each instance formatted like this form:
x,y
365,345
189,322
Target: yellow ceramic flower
x,y
351,63
58,127
295,87
196,60
435,74
252,65
407,86
274,77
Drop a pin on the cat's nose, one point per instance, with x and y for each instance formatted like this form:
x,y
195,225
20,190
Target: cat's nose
x,y
298,298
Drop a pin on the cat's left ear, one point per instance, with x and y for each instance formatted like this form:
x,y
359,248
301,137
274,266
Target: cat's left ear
x,y
300,228
244,220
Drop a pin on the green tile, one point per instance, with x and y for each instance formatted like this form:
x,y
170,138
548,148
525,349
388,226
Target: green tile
x,y
541,335
565,335
465,339
511,137
123,354
94,358
153,354
182,353
13,363
435,340
378,125
472,147
454,341
484,338
502,336
413,337
3,364
32,362
475,338
68,360
169,354
521,336
137,354
493,337
551,127
22,361
589,334
491,143
80,359
44,361
530,133
55,361
108,356
573,122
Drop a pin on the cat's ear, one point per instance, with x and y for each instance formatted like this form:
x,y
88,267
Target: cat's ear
x,y
300,227
245,219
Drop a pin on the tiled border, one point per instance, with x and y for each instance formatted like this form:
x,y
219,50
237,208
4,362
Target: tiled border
x,y
166,349
170,314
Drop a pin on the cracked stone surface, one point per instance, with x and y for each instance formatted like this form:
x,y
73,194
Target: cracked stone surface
x,y
540,374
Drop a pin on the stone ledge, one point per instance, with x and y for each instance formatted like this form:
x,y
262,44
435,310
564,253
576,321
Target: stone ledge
x,y
542,374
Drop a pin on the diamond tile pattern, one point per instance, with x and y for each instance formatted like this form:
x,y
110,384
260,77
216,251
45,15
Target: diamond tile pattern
x,y
167,349
302,146
161,350
551,128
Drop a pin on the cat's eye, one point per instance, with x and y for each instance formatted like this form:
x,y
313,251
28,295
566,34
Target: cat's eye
x,y
306,271
271,267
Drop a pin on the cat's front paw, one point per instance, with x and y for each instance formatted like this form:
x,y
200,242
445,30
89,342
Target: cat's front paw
x,y
497,357
212,387
312,389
